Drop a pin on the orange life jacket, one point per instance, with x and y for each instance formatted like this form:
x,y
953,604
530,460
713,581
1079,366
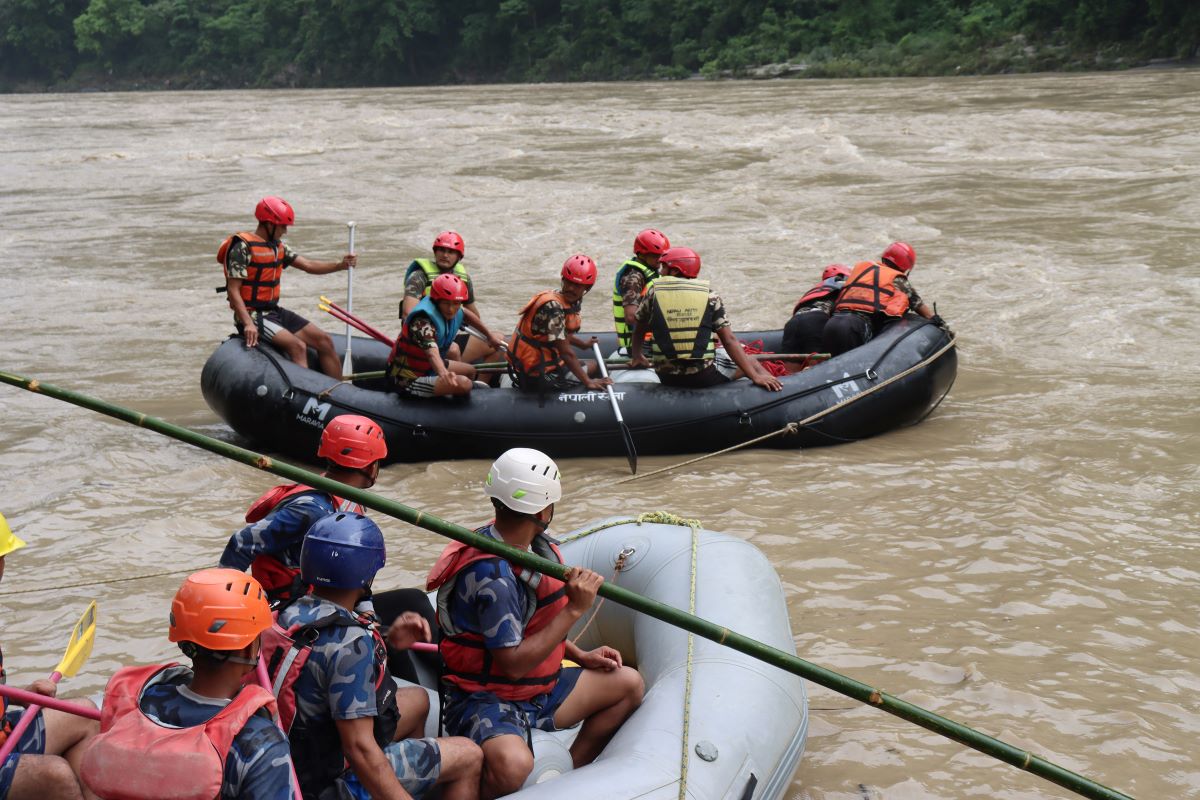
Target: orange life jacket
x,y
529,355
469,665
260,287
871,288
134,758
278,579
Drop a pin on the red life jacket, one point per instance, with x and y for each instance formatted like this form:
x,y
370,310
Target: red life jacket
x,y
871,288
135,758
5,726
530,355
278,579
317,748
260,287
822,291
469,665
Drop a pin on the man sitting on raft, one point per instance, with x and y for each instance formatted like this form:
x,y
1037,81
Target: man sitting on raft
x,y
505,636
684,314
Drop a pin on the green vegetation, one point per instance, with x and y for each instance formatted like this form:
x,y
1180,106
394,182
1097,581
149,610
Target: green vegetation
x,y
235,43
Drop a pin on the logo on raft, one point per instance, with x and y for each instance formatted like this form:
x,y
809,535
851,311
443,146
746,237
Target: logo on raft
x,y
314,413
587,397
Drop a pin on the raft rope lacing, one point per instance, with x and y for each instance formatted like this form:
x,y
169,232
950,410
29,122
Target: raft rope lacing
x,y
791,427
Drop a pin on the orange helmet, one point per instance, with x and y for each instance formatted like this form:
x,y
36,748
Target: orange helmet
x,y
352,441
219,609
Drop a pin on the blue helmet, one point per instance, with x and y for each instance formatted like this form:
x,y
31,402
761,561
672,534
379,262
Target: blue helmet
x,y
342,551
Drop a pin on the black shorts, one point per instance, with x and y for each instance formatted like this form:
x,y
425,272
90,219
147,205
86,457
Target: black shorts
x,y
275,319
710,376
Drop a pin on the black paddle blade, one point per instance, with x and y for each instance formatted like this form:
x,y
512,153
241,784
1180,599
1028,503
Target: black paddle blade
x,y
630,450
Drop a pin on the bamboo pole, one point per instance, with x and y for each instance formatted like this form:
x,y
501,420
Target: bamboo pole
x,y
1009,754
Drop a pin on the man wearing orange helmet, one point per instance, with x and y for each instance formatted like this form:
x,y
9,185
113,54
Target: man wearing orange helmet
x,y
44,763
448,252
684,314
200,730
270,543
423,362
254,263
540,352
802,333
876,295
633,279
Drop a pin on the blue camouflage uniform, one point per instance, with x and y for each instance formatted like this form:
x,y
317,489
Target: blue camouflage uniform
x,y
338,682
258,766
490,600
280,533
33,740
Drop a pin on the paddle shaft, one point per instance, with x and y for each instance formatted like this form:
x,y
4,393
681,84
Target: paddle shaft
x,y
346,361
27,697
626,436
336,313
1010,754
27,717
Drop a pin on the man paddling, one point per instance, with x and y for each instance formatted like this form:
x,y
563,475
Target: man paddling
x,y
199,732
541,355
684,314
254,263
352,730
44,763
505,634
270,543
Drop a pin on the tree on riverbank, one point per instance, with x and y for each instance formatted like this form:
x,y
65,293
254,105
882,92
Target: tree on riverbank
x,y
233,43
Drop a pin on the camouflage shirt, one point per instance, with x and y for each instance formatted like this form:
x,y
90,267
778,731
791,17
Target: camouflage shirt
x,y
417,282
258,766
280,533
632,284
422,332
237,259
550,322
685,366
488,599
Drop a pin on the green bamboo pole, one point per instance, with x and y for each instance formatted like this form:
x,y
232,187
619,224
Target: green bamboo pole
x,y
849,687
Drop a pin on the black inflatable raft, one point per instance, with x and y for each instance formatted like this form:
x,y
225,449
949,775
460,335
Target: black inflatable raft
x,y
897,379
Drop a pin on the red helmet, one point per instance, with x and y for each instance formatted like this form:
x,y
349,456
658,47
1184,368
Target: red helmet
x,y
451,241
684,259
899,255
449,286
834,270
274,210
352,441
579,269
651,242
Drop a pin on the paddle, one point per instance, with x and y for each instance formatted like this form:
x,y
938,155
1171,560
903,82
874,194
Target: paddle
x,y
356,321
469,329
626,436
78,650
349,301
22,696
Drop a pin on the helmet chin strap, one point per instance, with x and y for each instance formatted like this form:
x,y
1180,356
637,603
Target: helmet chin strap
x,y
249,662
537,519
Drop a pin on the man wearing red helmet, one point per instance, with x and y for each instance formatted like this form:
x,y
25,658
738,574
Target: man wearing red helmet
x,y
277,522
423,362
684,315
540,352
448,252
876,295
634,278
802,333
254,263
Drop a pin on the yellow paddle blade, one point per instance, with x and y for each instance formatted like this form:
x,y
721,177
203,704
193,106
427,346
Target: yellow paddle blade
x,y
325,300
324,307
80,646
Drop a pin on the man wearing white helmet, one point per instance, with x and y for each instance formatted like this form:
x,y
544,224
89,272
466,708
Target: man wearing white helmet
x,y
505,634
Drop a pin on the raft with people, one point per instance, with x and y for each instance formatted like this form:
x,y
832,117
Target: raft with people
x,y
895,380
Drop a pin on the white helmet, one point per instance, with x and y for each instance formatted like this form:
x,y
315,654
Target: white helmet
x,y
525,480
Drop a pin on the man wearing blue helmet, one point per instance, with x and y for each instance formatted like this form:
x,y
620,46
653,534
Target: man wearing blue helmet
x,y
347,724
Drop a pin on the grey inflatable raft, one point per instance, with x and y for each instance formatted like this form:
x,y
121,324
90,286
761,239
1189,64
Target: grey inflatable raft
x,y
739,731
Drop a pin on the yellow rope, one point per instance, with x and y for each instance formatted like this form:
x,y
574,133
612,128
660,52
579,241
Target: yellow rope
x,y
652,517
687,685
791,427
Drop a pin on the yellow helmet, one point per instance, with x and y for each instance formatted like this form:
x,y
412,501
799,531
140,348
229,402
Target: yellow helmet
x,y
8,539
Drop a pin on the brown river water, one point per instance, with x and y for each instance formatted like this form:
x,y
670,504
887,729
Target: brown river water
x,y
1024,561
